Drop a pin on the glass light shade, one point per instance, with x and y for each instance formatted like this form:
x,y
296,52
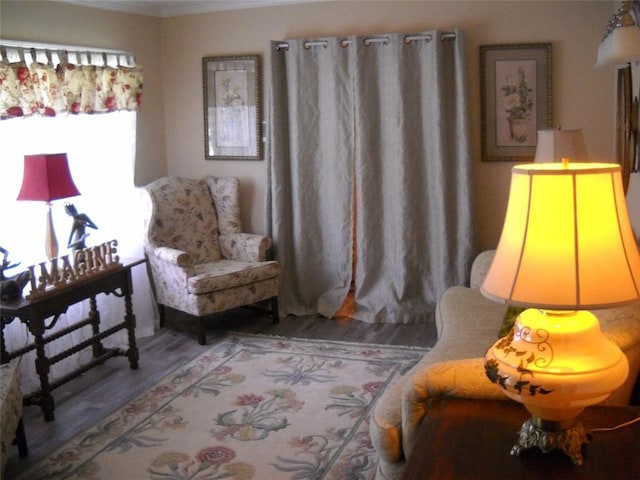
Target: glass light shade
x,y
554,145
567,241
620,47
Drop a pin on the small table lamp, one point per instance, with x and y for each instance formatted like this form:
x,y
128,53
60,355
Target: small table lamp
x,y
566,246
554,145
47,178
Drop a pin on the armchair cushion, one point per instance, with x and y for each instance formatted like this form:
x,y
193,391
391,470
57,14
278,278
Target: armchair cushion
x,y
223,274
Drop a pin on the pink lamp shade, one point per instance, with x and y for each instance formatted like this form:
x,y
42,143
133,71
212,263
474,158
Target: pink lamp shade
x,y
46,178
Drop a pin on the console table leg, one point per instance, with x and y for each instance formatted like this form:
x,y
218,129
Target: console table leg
x,y
42,369
130,320
94,315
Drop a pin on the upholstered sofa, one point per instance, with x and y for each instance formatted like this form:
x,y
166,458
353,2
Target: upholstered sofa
x,y
467,325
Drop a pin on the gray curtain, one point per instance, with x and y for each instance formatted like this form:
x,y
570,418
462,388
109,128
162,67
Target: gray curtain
x,y
385,117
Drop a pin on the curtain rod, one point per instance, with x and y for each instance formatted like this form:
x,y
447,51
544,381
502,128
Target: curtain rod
x,y
55,46
370,40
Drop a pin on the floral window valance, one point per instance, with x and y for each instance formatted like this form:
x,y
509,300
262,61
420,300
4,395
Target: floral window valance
x,y
46,82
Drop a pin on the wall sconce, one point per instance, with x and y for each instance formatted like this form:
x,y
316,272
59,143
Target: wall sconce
x,y
46,178
566,247
621,42
621,47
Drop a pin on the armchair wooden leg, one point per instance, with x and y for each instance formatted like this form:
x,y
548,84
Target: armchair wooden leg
x,y
202,331
21,440
274,310
162,313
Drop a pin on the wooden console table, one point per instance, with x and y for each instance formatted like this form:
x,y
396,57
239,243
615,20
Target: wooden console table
x,y
471,439
35,312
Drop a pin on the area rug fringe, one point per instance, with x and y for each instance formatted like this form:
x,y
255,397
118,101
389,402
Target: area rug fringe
x,y
250,407
322,341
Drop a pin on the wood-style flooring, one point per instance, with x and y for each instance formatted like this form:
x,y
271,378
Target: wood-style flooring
x,y
87,399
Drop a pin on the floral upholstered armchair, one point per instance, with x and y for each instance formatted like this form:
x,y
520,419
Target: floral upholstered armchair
x,y
200,261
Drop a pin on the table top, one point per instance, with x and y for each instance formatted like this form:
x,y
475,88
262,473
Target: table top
x,y
68,293
471,439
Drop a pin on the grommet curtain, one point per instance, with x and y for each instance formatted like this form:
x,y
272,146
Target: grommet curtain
x,y
45,82
386,117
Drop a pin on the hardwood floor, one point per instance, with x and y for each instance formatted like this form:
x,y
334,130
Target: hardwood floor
x,y
85,400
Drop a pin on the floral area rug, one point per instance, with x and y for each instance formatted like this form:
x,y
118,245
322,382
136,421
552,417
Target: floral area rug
x,y
252,407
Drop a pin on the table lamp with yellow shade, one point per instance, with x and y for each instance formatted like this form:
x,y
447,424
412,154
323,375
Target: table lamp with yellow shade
x,y
566,247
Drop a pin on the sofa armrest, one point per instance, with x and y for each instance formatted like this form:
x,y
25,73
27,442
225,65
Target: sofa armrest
x,y
458,378
247,247
480,268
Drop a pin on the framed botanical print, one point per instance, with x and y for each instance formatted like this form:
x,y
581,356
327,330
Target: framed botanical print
x,y
232,113
515,99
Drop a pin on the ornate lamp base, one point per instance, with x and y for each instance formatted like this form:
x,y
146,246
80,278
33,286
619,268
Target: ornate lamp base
x,y
548,436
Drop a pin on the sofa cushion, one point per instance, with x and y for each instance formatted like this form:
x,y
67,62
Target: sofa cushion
x,y
223,274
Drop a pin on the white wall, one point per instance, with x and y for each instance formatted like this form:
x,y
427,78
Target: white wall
x,y
170,131
582,97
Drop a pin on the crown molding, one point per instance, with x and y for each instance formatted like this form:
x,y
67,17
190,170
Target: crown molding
x,y
173,8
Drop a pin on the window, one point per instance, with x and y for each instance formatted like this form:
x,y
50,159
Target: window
x,y
101,152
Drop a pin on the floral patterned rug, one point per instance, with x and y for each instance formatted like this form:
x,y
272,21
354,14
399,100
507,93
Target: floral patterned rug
x,y
252,407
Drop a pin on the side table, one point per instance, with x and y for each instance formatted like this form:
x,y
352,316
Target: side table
x,y
35,312
471,439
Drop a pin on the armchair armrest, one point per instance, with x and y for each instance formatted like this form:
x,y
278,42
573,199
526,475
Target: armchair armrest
x,y
247,247
173,255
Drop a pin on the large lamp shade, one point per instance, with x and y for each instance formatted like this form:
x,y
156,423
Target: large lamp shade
x,y
567,241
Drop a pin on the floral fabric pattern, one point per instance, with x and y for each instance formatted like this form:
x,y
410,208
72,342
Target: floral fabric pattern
x,y
224,274
42,89
196,267
252,407
10,409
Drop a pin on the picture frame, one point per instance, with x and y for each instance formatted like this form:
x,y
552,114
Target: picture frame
x,y
515,99
232,108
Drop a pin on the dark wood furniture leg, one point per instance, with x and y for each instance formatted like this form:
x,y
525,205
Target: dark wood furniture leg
x,y
44,397
94,320
274,310
162,312
132,353
21,440
202,331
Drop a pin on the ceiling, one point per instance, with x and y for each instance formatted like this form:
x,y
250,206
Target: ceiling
x,y
172,8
